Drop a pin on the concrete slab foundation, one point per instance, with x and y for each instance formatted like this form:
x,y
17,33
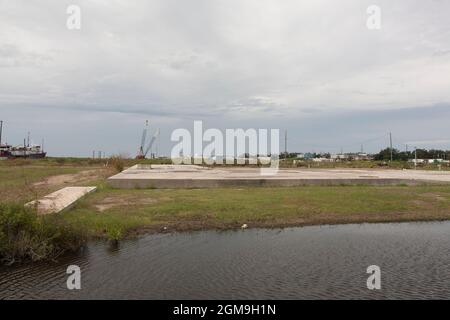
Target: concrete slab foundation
x,y
191,176
61,199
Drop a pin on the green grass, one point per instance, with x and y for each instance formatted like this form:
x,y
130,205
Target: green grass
x,y
86,162
11,177
189,209
16,183
360,164
126,211
18,176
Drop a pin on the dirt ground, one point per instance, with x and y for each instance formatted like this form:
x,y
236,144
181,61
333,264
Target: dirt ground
x,y
77,178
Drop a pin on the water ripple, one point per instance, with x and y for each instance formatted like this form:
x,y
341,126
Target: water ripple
x,y
323,262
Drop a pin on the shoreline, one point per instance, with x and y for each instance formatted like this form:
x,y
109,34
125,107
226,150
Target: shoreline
x,y
154,230
159,229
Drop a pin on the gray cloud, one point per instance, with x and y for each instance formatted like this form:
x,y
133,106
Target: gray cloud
x,y
244,62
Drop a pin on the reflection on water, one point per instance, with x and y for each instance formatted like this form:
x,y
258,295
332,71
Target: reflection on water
x,y
294,263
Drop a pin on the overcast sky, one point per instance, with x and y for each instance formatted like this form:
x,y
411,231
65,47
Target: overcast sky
x,y
312,67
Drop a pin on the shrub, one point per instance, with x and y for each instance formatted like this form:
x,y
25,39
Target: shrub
x,y
26,236
118,163
114,233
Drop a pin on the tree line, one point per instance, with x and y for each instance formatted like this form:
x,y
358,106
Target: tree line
x,y
385,154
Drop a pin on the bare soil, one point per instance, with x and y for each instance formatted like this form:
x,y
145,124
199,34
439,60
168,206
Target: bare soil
x,y
80,177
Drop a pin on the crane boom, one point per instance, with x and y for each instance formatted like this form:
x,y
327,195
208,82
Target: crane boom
x,y
144,136
155,135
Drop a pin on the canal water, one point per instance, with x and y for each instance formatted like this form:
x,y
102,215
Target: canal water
x,y
320,262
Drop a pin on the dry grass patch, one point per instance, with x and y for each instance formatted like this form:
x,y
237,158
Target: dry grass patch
x,y
77,178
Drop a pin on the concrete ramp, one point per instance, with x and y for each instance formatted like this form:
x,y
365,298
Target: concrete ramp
x,y
60,200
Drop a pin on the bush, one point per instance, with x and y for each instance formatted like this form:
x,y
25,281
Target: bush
x,y
26,236
118,163
114,233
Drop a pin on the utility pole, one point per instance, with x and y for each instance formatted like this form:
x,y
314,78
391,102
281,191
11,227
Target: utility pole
x,y
285,144
157,145
1,130
28,139
362,148
390,142
415,162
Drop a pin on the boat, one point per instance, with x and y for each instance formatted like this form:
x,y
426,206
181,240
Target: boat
x,y
4,148
22,151
27,151
5,151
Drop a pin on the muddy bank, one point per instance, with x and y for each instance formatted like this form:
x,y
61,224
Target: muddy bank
x,y
199,225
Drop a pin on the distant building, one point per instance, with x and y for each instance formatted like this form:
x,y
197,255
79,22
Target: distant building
x,y
339,157
321,159
308,156
437,161
351,156
428,161
361,157
417,160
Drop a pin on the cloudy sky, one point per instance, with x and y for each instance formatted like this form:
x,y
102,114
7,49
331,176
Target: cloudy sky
x,y
311,67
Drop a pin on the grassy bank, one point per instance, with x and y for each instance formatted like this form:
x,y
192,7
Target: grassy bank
x,y
24,236
117,213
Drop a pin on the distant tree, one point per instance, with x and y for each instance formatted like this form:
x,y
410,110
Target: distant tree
x,y
404,156
385,155
423,154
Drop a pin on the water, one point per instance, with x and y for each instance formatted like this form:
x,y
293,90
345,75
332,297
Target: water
x,y
321,262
